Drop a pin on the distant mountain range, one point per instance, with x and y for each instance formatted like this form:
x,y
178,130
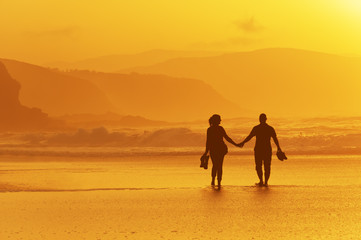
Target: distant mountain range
x,y
280,82
17,117
56,93
283,82
113,63
156,97
160,97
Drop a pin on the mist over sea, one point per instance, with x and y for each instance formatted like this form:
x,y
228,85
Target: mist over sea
x,y
308,136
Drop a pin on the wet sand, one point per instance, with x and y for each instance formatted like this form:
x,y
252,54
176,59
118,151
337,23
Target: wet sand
x,y
234,212
81,207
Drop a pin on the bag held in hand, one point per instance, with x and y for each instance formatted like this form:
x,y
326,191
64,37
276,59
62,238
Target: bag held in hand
x,y
204,161
281,155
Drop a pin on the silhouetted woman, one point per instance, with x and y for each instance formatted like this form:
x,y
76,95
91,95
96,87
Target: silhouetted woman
x,y
216,146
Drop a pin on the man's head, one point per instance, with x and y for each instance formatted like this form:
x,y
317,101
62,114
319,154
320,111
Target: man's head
x,y
262,118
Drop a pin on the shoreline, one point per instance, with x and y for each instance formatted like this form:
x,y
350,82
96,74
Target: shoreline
x,y
125,153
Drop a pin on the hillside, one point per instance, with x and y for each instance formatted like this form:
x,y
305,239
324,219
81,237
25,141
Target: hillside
x,y
161,97
281,82
15,116
112,63
56,93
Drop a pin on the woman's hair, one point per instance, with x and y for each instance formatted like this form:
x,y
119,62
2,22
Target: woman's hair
x,y
214,120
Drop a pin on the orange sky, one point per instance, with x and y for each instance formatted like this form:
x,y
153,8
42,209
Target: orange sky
x,y
39,31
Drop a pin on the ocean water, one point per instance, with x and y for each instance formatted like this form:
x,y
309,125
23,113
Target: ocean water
x,y
169,197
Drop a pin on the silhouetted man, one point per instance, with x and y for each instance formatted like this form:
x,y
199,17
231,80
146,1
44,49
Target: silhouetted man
x,y
263,149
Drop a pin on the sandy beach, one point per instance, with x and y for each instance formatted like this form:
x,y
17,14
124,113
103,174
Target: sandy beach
x,y
279,212
169,198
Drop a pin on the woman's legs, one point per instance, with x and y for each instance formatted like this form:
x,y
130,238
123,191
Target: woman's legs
x,y
220,169
217,169
214,170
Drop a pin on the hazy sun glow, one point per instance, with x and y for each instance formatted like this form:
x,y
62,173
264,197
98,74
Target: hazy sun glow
x,y
353,4
68,30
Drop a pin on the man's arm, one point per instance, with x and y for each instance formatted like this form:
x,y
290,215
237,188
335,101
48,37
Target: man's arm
x,y
250,136
275,139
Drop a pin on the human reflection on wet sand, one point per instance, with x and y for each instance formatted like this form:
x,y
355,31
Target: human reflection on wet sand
x,y
261,193
254,192
211,193
216,188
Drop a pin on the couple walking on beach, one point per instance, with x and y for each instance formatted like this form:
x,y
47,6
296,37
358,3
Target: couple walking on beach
x,y
262,151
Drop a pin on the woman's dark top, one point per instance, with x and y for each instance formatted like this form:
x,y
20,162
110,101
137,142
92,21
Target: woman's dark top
x,y
215,141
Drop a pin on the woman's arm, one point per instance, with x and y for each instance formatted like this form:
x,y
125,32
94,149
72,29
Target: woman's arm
x,y
228,138
207,144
